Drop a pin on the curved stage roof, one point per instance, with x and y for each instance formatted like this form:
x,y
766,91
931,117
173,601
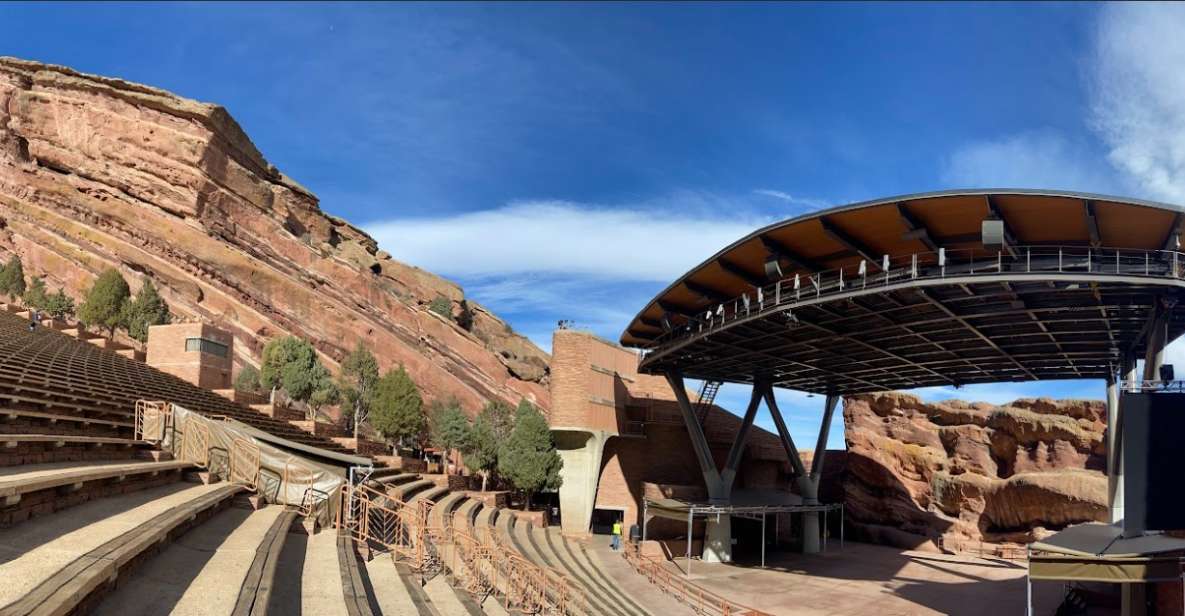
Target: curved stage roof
x,y
1067,289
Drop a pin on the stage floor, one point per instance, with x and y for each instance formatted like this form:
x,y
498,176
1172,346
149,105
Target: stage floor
x,y
870,579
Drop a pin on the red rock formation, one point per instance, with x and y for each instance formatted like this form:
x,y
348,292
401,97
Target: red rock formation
x,y
971,472
98,172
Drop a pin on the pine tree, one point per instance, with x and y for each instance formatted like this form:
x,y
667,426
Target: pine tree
x,y
481,451
104,303
248,379
12,278
35,295
146,310
358,378
528,457
398,409
60,306
291,364
448,426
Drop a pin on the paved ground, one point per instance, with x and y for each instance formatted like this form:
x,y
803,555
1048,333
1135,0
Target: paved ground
x,y
868,579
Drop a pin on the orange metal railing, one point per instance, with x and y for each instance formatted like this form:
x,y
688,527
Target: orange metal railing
x,y
477,566
699,600
152,420
195,445
244,463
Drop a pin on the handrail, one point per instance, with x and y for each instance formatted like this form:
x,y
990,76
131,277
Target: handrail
x,y
700,600
791,291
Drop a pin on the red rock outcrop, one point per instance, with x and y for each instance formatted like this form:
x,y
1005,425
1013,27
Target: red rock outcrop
x,y
98,172
961,471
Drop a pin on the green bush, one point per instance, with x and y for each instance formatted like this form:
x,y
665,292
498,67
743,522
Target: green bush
x,y
248,380
12,278
398,409
357,381
291,364
442,306
35,295
146,310
60,306
104,303
528,458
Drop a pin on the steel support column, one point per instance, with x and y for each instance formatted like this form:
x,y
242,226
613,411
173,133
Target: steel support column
x,y
1114,465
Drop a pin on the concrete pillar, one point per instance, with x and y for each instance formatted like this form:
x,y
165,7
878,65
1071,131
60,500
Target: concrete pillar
x,y
812,541
1114,463
581,450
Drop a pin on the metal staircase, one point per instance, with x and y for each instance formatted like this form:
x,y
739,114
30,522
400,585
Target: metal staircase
x,y
707,396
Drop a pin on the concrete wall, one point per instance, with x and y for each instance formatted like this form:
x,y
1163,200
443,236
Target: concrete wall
x,y
166,352
644,448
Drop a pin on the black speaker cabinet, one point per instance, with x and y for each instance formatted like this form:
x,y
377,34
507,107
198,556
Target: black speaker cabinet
x,y
1153,459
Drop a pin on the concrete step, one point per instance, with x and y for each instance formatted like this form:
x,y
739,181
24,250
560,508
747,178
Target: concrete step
x,y
464,515
444,598
601,594
395,594
432,494
280,412
56,561
405,491
313,561
441,515
201,573
483,525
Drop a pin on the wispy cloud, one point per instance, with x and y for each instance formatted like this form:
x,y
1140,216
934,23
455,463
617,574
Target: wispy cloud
x,y
805,202
1138,91
1035,159
648,242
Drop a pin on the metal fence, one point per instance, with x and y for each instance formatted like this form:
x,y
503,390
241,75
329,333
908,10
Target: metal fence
x,y
1014,261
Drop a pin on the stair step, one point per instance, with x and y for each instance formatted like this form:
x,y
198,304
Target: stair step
x,y
395,594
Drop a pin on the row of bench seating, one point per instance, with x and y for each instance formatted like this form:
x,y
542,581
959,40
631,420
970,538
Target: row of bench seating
x,y
45,371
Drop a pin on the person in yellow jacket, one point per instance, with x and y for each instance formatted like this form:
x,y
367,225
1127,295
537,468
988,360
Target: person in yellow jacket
x,y
616,535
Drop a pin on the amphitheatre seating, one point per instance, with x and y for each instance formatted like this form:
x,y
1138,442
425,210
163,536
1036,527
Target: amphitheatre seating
x,y
37,489
47,371
16,449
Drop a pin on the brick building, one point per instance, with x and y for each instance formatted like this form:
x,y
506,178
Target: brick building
x,y
199,353
622,438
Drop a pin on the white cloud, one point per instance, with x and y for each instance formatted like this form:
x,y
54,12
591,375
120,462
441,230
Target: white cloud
x,y
805,202
657,241
1037,159
1138,92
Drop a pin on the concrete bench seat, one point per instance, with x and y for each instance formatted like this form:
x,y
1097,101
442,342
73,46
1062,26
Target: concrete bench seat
x,y
42,448
8,413
431,494
441,515
33,490
404,492
73,568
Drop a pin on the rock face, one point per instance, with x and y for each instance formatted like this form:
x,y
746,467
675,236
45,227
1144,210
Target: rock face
x,y
98,172
972,471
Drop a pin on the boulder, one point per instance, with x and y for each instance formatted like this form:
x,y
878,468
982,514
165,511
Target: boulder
x,y
961,472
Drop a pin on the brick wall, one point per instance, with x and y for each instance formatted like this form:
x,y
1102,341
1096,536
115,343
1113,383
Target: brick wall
x,y
166,352
595,385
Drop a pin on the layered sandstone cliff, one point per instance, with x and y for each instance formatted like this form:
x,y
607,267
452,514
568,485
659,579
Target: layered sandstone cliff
x,y
98,172
972,471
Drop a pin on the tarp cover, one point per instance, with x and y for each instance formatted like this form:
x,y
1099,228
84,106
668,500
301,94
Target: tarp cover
x,y
1098,552
276,465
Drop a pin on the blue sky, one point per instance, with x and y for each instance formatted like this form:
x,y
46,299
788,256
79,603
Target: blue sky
x,y
568,161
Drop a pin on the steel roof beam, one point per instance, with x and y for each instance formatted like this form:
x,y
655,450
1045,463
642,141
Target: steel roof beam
x,y
915,230
676,309
708,293
739,272
1092,223
851,243
973,329
782,251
